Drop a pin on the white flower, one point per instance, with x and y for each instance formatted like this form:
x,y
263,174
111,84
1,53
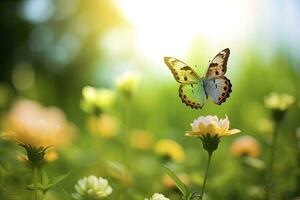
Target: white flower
x,y
157,196
277,101
92,188
211,125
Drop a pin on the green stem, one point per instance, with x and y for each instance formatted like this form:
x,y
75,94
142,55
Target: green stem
x,y
126,137
35,182
206,174
98,144
126,134
271,164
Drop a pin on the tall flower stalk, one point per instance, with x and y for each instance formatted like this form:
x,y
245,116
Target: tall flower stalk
x,y
35,181
278,104
126,135
95,102
271,162
127,84
209,129
206,175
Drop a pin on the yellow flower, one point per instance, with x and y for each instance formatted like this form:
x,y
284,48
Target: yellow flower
x,y
128,83
97,99
245,146
277,101
169,148
29,123
106,126
211,125
140,139
170,184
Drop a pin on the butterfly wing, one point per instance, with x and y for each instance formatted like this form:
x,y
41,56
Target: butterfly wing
x,y
181,71
193,95
218,89
218,66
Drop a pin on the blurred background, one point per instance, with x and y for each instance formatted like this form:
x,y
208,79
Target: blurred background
x,y
51,49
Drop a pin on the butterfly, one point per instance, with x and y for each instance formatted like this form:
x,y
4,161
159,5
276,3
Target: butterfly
x,y
194,90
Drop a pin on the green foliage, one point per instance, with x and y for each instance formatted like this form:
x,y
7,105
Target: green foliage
x,y
180,185
47,183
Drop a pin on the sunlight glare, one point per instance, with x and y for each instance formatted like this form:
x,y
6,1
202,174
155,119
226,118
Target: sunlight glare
x,y
169,27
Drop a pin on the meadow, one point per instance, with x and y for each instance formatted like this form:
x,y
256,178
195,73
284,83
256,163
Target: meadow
x,y
90,110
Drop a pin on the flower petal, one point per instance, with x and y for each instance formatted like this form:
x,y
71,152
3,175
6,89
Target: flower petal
x,y
233,131
211,125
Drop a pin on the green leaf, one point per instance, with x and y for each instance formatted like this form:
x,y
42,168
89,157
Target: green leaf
x,y
45,178
180,185
33,187
255,163
54,181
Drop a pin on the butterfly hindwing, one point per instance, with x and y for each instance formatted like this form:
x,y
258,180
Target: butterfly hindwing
x,y
193,95
194,90
218,66
181,71
218,89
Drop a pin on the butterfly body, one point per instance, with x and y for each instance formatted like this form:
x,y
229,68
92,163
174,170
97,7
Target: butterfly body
x,y
194,90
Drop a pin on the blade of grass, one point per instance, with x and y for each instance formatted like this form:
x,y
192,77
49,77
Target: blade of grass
x,y
180,185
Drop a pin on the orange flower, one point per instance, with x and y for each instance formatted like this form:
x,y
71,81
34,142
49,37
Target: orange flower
x,y
37,128
245,146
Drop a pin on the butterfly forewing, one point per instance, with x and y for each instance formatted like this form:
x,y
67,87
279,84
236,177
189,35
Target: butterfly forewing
x,y
194,90
193,95
218,89
181,71
218,66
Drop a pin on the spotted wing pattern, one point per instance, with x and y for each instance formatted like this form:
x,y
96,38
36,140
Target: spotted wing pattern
x,y
181,71
193,95
218,66
218,89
